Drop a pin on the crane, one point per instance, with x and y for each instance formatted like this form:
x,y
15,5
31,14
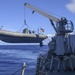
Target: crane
x,y
62,28
51,18
60,23
59,46
42,12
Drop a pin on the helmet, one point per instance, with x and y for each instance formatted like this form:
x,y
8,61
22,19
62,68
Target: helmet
x,y
64,20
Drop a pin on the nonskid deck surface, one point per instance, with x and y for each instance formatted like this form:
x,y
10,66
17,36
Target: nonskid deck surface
x,y
56,72
61,73
68,72
54,65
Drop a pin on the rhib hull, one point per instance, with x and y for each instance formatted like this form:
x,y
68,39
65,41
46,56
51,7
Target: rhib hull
x,y
16,37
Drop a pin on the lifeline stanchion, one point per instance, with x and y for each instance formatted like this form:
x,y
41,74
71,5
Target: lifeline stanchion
x,y
23,68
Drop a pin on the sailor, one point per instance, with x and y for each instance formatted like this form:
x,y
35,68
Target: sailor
x,y
26,30
61,24
63,21
33,32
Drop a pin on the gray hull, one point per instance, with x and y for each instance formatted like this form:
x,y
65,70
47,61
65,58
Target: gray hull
x,y
61,73
15,37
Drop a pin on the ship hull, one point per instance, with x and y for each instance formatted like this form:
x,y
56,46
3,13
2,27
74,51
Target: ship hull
x,y
62,73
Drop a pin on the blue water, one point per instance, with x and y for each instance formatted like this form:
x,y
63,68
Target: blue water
x,y
12,57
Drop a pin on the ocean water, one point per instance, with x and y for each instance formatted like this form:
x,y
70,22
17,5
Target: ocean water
x,y
13,56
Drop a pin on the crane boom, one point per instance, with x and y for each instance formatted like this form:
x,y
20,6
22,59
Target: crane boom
x,y
42,12
62,24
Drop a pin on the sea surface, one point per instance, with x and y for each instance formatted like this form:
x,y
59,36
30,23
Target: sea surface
x,y
13,56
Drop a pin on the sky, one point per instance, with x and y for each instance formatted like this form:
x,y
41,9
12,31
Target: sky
x,y
13,13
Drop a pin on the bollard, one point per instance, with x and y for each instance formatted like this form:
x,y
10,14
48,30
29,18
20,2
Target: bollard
x,y
23,68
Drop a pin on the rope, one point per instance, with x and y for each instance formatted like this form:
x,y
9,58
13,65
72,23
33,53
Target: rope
x,y
22,68
26,23
28,26
31,28
33,72
18,70
24,13
24,20
31,63
35,48
27,66
19,30
32,46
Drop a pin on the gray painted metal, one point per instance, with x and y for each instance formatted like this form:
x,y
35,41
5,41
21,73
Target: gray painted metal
x,y
71,40
61,54
60,50
42,12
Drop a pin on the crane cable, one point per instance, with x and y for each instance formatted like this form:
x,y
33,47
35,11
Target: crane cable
x,y
33,12
25,22
25,16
